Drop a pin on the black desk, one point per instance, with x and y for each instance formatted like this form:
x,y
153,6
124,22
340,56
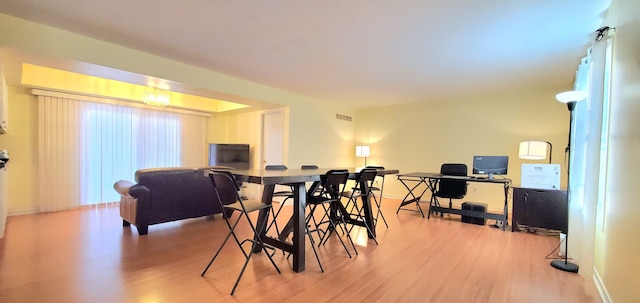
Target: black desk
x,y
297,179
430,182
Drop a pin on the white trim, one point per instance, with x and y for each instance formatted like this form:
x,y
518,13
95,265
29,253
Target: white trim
x,y
116,101
18,212
604,295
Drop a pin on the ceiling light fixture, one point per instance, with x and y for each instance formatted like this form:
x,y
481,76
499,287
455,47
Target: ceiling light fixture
x,y
156,96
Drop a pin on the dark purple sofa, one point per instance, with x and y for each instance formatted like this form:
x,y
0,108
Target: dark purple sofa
x,y
166,194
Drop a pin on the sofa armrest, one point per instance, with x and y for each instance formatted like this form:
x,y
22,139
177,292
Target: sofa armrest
x,y
122,187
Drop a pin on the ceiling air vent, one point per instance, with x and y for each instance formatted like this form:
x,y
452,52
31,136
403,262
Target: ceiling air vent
x,y
343,117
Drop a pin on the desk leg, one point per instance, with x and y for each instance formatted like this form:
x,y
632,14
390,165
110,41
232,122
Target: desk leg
x,y
416,199
432,184
299,225
506,206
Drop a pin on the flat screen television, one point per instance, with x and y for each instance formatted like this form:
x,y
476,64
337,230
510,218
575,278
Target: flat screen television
x,y
490,165
232,155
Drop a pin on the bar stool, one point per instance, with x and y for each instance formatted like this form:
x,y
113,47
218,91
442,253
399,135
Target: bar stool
x,y
373,189
228,195
332,188
366,175
286,193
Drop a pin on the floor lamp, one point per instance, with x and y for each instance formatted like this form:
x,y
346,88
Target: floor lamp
x,y
570,98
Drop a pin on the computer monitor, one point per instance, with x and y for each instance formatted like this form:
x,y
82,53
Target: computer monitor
x,y
490,165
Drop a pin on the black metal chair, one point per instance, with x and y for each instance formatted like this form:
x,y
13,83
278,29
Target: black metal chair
x,y
332,188
228,195
366,175
373,189
286,194
450,188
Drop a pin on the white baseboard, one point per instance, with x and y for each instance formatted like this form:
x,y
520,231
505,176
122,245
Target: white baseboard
x,y
604,295
22,212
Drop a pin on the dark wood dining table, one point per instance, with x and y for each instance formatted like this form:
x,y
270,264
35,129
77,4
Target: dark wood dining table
x,y
297,178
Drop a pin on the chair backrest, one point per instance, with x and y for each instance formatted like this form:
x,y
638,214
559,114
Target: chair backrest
x,y
455,189
225,186
367,174
309,167
334,181
275,167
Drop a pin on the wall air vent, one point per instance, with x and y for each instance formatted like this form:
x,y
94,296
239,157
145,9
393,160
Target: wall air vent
x,y
343,117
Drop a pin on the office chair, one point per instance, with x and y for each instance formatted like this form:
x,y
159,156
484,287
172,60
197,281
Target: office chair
x,y
449,188
228,195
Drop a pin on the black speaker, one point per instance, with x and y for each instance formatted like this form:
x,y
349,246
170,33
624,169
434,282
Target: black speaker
x,y
473,206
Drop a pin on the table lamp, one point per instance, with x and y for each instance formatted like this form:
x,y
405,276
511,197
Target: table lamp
x,y
362,151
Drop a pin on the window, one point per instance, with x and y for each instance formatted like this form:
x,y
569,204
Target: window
x,y
86,146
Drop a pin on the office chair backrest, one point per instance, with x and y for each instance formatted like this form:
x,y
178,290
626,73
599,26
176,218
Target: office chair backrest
x,y
275,167
455,189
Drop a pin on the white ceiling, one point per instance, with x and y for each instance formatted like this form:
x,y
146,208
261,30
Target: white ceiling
x,y
362,52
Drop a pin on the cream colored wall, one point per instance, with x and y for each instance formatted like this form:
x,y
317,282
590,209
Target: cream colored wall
x,y
618,234
317,137
4,187
420,137
313,135
21,142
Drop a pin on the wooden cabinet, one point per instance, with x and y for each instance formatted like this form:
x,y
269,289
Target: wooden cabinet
x,y
543,208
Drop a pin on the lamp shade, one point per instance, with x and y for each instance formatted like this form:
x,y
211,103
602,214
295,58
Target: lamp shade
x,y
533,150
571,96
362,151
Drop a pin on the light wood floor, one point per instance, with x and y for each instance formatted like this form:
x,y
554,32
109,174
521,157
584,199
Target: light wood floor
x,y
87,256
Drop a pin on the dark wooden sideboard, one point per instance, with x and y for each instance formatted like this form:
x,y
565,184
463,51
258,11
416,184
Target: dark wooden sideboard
x,y
540,208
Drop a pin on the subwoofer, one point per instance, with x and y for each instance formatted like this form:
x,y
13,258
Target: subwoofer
x,y
473,206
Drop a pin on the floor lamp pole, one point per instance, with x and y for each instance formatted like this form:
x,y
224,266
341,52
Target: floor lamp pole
x,y
565,265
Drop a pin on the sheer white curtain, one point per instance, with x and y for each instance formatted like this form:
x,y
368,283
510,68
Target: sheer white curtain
x,y
589,149
84,147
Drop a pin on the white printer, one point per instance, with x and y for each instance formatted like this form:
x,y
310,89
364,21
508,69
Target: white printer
x,y
541,176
